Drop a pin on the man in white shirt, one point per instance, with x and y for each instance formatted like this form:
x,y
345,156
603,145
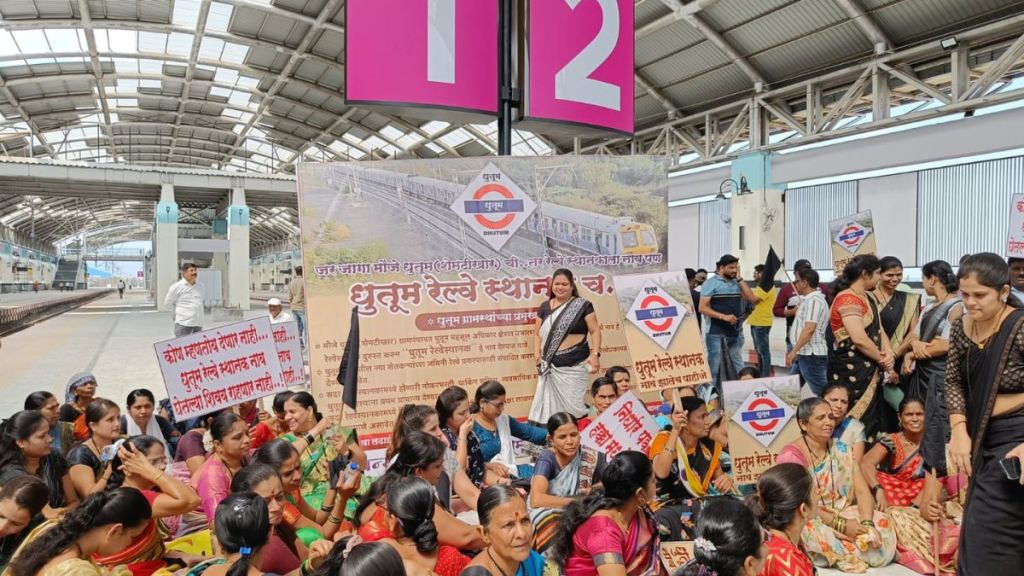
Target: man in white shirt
x,y
186,297
809,356
277,314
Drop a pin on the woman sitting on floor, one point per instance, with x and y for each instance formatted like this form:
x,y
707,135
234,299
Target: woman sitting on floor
x,y
454,480
88,466
562,473
21,501
508,533
848,429
730,542
495,429
783,504
25,449
212,481
410,519
604,393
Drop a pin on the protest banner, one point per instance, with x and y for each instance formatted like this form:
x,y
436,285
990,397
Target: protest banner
x,y
851,236
1015,233
289,351
762,419
220,367
625,425
661,330
675,554
446,262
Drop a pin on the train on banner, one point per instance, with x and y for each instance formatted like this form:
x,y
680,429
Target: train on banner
x,y
851,236
661,331
221,367
762,420
448,295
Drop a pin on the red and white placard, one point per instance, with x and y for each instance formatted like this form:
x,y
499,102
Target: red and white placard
x,y
289,351
1015,236
625,425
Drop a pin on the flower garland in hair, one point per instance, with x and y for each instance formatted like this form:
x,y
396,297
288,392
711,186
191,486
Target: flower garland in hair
x,y
352,543
704,545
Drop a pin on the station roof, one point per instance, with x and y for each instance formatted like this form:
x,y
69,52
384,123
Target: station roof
x,y
258,85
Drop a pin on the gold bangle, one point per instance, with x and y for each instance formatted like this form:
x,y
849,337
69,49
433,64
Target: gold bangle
x,y
159,476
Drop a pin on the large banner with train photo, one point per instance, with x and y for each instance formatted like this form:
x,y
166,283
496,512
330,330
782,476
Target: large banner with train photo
x,y
446,262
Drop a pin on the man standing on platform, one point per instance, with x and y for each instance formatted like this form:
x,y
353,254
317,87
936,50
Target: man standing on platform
x,y
297,297
721,300
120,288
809,356
277,314
186,297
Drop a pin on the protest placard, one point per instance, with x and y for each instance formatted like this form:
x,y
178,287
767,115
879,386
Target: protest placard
x,y
661,330
625,425
761,415
1015,234
289,352
851,236
220,367
675,554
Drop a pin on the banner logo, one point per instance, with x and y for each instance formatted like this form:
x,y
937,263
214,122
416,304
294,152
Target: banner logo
x,y
763,415
852,235
657,314
494,206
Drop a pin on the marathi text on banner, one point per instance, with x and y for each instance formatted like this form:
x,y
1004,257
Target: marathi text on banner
x,y
762,421
851,236
448,296
289,352
625,425
1015,233
220,367
661,331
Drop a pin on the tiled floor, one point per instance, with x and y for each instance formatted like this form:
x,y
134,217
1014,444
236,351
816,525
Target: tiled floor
x,y
890,570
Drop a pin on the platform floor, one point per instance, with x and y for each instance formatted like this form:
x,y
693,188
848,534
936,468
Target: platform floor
x,y
25,298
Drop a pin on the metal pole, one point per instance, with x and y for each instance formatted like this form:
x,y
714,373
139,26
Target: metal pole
x,y
505,77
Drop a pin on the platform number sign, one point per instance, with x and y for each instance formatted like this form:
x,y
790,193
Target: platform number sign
x,y
404,54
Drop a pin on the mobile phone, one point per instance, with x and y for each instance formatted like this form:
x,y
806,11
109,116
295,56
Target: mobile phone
x,y
1011,467
110,452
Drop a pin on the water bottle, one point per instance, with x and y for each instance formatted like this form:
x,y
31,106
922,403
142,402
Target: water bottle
x,y
350,472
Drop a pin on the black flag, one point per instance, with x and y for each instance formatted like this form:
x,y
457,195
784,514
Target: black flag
x,y
348,370
772,265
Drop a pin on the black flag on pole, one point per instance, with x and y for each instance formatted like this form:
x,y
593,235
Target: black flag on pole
x,y
772,265
348,370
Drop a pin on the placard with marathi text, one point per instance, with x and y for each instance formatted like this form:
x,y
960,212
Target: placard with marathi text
x,y
625,425
762,420
851,236
1015,233
289,351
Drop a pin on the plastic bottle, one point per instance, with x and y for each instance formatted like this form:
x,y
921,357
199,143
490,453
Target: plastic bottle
x,y
350,472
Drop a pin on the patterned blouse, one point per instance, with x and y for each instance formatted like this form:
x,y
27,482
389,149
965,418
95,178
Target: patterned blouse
x,y
965,357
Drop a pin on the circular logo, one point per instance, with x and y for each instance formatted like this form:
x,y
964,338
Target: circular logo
x,y
504,193
851,235
755,408
657,302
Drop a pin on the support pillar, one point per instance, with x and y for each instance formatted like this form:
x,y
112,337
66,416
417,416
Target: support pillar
x,y
165,245
758,218
238,251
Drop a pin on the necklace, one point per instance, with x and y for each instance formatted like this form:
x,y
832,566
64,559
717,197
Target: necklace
x,y
982,342
831,475
495,563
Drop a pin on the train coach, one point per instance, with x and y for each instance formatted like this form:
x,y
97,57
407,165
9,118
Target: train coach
x,y
593,233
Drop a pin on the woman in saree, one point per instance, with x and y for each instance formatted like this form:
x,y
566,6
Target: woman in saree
x,y
730,542
562,473
87,467
26,449
79,392
612,527
985,394
63,432
860,356
141,464
143,419
687,466
508,534
784,503
410,520
454,413
929,344
604,392
230,437
847,532
495,430
565,360
896,473
319,444
848,429
21,501
898,312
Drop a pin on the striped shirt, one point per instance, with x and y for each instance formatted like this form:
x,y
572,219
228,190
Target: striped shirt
x,y
812,308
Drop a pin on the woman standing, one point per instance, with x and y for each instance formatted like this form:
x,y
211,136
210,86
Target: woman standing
x,y
985,393
88,466
104,524
508,533
898,312
319,443
848,429
562,473
79,392
686,464
729,541
25,449
847,532
612,528
495,430
930,342
21,500
783,504
63,432
143,420
230,437
564,358
861,356
604,393
896,473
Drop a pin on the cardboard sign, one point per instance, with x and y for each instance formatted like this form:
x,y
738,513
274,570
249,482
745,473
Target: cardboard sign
x,y
851,236
661,331
1015,235
625,425
675,554
220,367
289,352
761,422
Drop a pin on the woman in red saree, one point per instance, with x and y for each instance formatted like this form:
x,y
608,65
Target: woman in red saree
x,y
895,470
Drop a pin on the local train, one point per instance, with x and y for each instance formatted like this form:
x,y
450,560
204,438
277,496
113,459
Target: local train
x,y
273,272
571,229
20,265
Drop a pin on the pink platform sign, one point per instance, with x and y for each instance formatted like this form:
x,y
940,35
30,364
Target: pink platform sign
x,y
580,67
422,53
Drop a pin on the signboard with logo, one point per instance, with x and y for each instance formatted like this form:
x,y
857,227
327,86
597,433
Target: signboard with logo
x,y
579,64
1015,234
447,261
851,236
762,419
661,330
625,425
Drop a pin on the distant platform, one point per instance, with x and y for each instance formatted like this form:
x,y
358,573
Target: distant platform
x,y
16,299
